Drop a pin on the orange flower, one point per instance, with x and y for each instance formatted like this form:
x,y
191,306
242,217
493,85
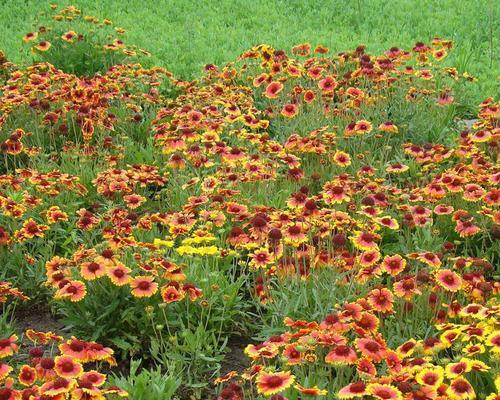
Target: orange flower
x,y
292,355
328,84
381,300
93,377
365,240
30,36
27,375
92,270
75,348
342,159
143,286
73,290
460,389
309,96
57,387
311,391
134,200
43,46
5,370
69,36
273,89
119,274
384,392
269,383
355,389
369,258
289,110
431,259
171,294
362,127
54,214
388,127
67,367
8,346
449,280
341,354
394,265
371,349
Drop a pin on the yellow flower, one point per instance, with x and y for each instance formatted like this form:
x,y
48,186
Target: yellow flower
x,y
164,243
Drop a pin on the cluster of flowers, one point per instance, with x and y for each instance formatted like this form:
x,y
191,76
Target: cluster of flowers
x,y
55,369
347,186
348,345
6,290
70,105
68,276
73,15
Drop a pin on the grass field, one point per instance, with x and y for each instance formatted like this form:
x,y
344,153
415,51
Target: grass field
x,y
184,35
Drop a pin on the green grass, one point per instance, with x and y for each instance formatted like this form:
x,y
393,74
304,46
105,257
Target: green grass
x,y
184,35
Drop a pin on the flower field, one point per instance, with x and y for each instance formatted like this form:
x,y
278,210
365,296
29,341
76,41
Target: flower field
x,y
293,224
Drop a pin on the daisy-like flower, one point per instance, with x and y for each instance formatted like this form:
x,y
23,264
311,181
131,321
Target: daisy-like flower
x,y
457,369
433,376
384,392
407,348
481,136
448,280
134,201
365,240
261,258
394,265
119,274
341,158
55,214
362,127
57,387
73,291
290,110
27,375
143,286
93,377
460,389
341,354
431,259
493,341
381,300
388,222
353,390
69,36
334,193
388,127
309,96
292,355
171,294
92,270
369,258
67,367
371,349
269,383
30,36
43,46
75,348
5,370
8,346
328,84
442,209
311,391
273,89
406,288
397,168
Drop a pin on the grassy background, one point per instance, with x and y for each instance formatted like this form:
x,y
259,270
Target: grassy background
x,y
183,35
